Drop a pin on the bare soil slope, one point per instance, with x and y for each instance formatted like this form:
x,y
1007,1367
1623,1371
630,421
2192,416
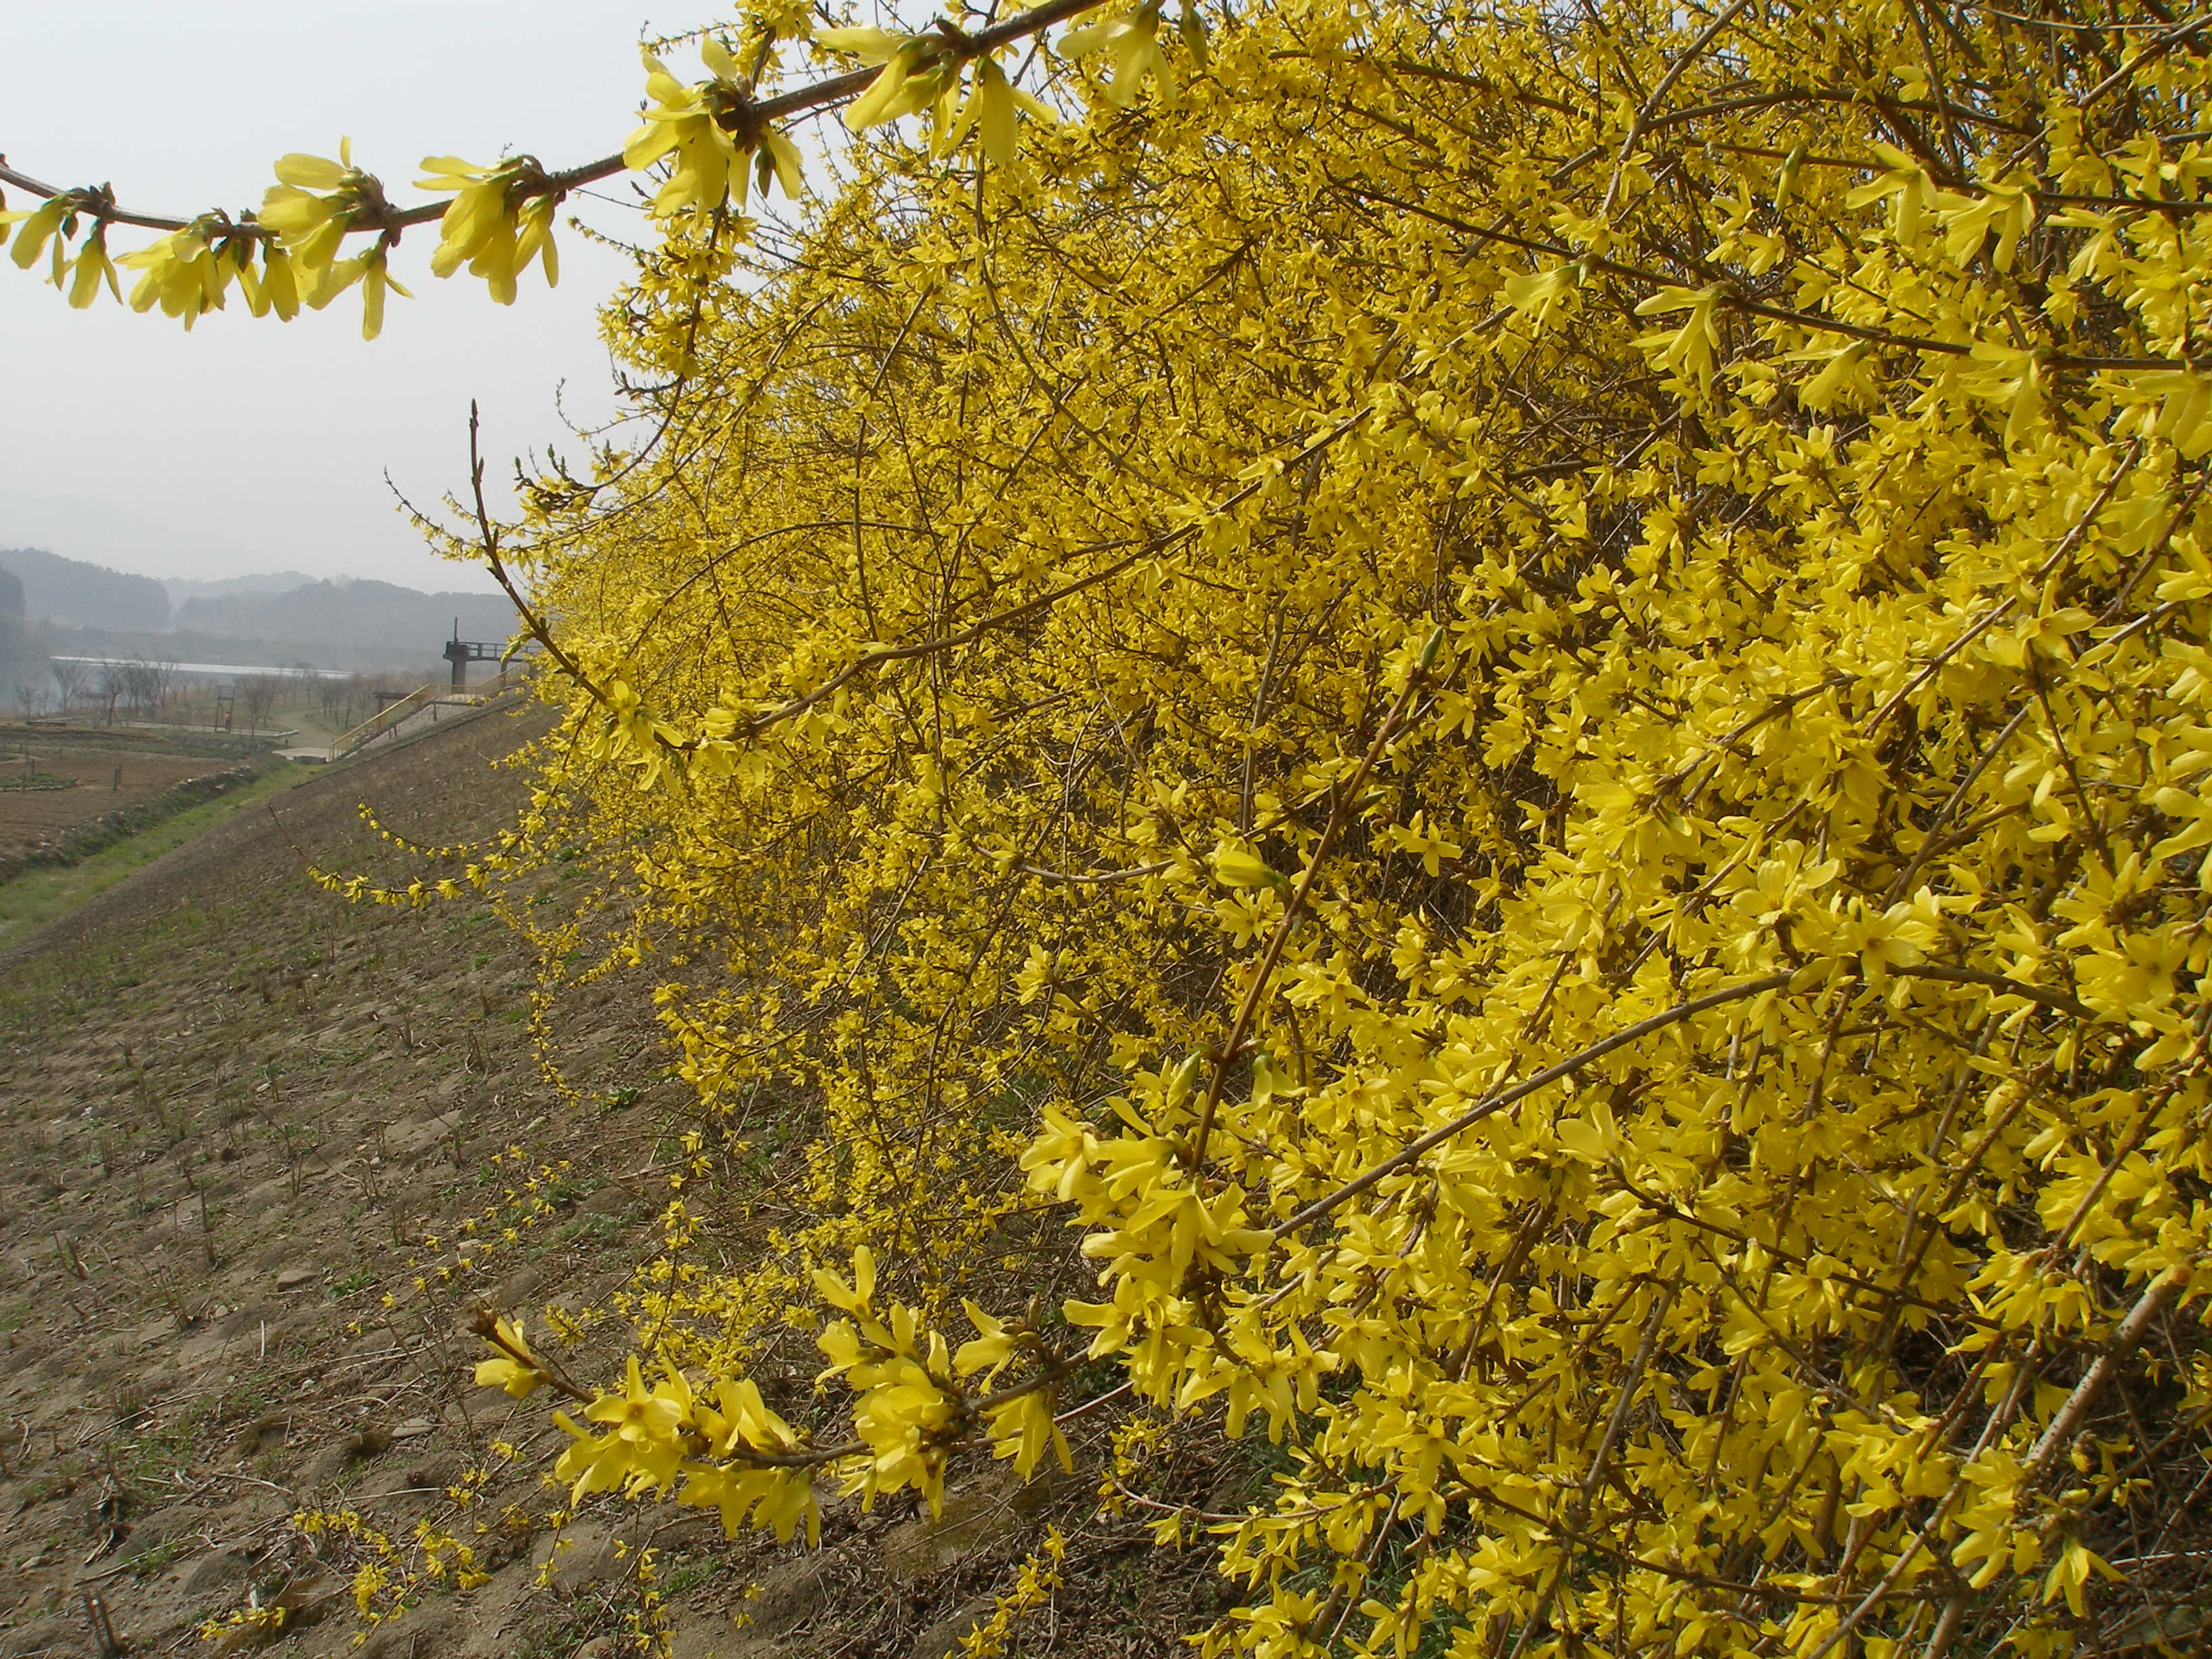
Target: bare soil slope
x,y
236,1107
267,1153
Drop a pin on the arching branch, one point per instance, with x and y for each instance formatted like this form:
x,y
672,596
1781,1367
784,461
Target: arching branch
x,y
826,94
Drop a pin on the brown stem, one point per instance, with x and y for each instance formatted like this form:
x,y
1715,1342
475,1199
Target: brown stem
x,y
2123,1342
2067,1424
1265,971
1498,1103
2000,982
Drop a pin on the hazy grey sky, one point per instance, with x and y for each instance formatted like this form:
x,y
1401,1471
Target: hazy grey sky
x,y
275,438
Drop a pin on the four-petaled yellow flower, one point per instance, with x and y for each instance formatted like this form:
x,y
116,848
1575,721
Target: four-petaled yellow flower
x,y
513,1368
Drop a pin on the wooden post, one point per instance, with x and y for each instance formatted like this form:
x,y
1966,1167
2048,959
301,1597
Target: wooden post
x,y
103,1628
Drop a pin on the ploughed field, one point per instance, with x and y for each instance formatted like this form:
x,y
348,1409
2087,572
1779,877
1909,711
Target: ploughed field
x,y
235,1106
55,781
267,1153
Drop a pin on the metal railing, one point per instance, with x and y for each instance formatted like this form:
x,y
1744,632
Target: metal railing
x,y
394,714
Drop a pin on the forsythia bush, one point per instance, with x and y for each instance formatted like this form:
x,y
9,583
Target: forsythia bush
x,y
1516,698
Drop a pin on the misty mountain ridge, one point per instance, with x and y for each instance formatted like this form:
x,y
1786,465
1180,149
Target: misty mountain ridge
x,y
72,593
348,612
282,617
181,588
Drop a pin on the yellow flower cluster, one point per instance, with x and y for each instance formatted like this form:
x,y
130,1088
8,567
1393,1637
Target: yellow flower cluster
x,y
315,204
187,272
1519,700
502,218
702,132
708,140
1522,708
48,229
731,1452
1036,1580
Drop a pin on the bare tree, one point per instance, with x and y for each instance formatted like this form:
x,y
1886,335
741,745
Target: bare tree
x,y
142,683
71,678
360,699
113,683
137,685
256,695
159,675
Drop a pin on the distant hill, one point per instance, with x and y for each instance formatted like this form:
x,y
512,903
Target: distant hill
x,y
279,617
181,588
70,593
190,560
356,615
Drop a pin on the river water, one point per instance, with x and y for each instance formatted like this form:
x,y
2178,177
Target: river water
x,y
221,671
